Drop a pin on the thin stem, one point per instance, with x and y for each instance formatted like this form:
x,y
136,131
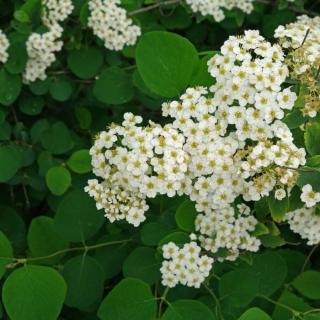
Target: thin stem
x,y
162,300
157,5
219,314
304,39
57,253
26,197
312,251
296,313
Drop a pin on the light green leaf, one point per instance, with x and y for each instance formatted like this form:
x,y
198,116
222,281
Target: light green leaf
x,y
166,62
255,314
6,253
312,138
58,180
278,208
34,292
129,299
80,161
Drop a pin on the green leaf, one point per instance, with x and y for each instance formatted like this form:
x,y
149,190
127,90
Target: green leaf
x,y
255,314
238,287
85,62
260,230
58,180
10,162
186,215
6,253
43,240
308,284
10,87
61,89
166,62
17,56
142,264
278,208
269,270
129,299
309,177
77,218
112,257
84,277
12,225
34,292
290,300
153,232
57,139
114,86
271,241
312,138
31,106
177,237
188,310
80,161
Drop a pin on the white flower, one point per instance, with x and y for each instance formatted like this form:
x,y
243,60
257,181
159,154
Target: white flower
x,y
4,45
309,197
280,194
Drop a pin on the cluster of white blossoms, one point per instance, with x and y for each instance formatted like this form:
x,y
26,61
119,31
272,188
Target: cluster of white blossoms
x,y
139,162
223,145
42,48
215,8
304,34
309,197
306,223
111,24
184,265
4,45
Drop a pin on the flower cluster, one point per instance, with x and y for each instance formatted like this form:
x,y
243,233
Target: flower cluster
x,y
4,45
184,266
41,48
215,8
223,146
303,39
143,161
110,23
306,223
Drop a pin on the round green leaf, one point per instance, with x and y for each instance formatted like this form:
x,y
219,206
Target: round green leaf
x,y
61,90
10,162
17,56
188,310
238,287
278,208
166,62
312,138
31,106
142,264
57,139
153,232
43,240
85,62
84,277
80,161
255,314
58,180
10,87
129,299
34,292
77,218
12,225
177,237
308,284
6,253
186,215
114,86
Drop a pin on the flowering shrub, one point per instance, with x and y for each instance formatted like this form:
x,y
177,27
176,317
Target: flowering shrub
x,y
159,159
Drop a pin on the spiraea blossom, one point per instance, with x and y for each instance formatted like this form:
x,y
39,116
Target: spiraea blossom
x,y
42,48
184,265
306,223
224,145
215,8
4,45
110,23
